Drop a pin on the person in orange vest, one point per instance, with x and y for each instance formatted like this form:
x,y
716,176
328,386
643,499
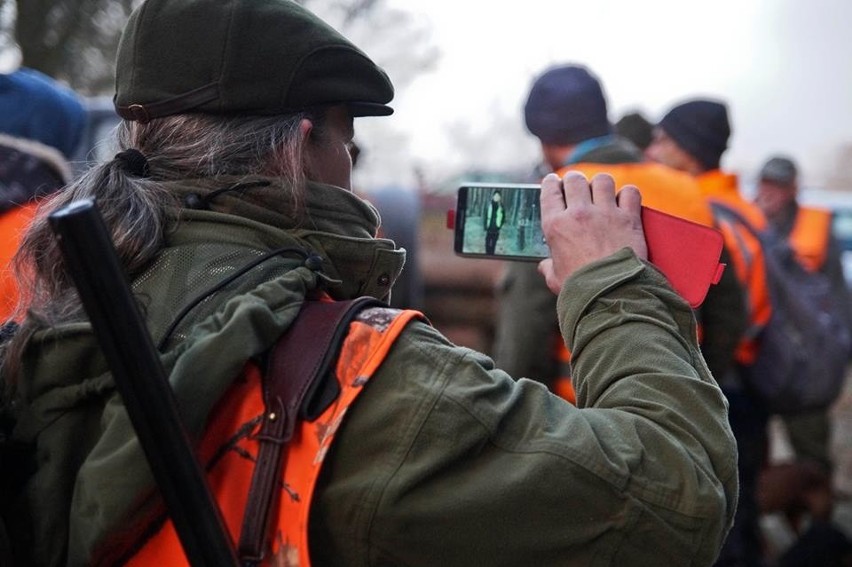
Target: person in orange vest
x,y
808,231
41,124
692,137
566,110
230,204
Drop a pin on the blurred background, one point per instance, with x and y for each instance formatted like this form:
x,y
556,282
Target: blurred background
x,y
462,71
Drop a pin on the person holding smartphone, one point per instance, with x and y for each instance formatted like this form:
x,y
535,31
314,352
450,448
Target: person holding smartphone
x,y
566,110
233,185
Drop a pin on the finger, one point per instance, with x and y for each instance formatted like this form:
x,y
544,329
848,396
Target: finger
x,y
551,199
545,268
603,189
630,198
576,189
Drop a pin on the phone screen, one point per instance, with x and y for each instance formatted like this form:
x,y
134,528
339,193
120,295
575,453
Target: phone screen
x,y
496,220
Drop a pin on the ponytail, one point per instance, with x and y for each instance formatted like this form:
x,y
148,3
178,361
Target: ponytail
x,y
132,197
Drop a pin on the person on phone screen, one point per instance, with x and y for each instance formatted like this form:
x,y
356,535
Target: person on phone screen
x,y
692,137
230,204
566,110
495,216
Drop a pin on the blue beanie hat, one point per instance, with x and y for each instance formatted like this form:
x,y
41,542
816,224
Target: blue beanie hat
x,y
35,107
701,128
566,105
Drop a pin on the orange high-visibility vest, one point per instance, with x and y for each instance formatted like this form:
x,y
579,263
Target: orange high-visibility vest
x,y
809,237
562,384
746,255
13,224
662,188
236,420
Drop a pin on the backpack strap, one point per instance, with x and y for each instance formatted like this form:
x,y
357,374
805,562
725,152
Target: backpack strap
x,y
730,213
766,238
297,364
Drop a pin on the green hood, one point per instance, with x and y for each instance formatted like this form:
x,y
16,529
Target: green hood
x,y
70,408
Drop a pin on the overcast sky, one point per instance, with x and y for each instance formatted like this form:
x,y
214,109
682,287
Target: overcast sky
x,y
783,65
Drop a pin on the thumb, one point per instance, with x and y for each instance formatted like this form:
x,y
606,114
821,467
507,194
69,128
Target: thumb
x,y
545,268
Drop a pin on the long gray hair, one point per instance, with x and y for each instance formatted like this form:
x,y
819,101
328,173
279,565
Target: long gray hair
x,y
187,146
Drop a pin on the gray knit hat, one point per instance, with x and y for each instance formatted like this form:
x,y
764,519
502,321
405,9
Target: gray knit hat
x,y
780,170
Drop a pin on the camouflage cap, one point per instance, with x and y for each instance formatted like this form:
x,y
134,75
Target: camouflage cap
x,y
240,56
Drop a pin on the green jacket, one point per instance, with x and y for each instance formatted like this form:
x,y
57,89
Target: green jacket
x,y
444,460
526,329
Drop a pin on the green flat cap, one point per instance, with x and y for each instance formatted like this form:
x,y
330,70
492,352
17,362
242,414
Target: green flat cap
x,y
240,57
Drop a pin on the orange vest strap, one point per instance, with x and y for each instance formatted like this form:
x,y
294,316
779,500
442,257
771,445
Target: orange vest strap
x,y
230,446
371,336
747,255
298,363
809,237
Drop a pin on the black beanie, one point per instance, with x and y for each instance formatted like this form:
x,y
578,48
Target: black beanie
x,y
636,128
566,105
701,128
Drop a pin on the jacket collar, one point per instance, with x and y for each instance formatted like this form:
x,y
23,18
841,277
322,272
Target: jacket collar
x,y
324,219
604,149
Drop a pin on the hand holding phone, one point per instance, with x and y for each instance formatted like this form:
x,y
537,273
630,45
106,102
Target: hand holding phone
x,y
686,252
585,222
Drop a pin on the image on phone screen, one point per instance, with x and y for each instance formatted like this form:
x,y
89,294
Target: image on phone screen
x,y
499,220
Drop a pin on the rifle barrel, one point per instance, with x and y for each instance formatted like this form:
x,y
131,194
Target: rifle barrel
x,y
91,259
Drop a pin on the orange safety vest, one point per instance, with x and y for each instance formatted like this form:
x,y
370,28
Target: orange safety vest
x,y
13,224
236,420
746,255
662,188
809,237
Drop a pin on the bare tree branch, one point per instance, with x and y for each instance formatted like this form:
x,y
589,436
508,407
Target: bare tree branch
x,y
76,40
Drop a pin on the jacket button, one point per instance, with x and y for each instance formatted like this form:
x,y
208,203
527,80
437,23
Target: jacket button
x,y
384,280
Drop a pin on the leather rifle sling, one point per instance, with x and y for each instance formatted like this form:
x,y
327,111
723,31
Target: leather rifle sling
x,y
297,364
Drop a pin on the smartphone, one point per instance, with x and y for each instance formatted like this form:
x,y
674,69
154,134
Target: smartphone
x,y
503,221
499,220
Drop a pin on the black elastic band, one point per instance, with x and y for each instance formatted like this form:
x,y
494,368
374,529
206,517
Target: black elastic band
x,y
134,162
202,202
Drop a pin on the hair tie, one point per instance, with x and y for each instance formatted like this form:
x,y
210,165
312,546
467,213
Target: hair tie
x,y
134,162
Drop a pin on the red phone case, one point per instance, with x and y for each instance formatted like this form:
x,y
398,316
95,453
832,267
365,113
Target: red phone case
x,y
686,252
